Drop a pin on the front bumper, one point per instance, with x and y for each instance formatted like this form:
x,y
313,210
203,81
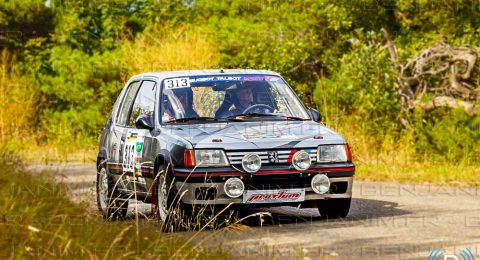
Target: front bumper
x,y
212,193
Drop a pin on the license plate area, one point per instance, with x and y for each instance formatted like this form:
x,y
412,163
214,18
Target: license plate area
x,y
273,196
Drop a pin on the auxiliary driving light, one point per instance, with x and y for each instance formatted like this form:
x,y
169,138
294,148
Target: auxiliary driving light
x,y
251,162
234,187
320,184
301,160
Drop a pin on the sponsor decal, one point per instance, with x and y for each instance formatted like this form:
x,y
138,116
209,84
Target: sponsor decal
x,y
228,78
215,78
273,196
253,78
204,79
132,155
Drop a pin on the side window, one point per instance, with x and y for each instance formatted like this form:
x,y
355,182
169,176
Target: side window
x,y
144,102
127,103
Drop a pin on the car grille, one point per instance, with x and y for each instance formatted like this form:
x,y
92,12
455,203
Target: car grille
x,y
277,182
268,157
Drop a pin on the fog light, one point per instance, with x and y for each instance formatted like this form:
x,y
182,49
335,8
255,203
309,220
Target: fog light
x,y
234,187
251,163
301,160
320,184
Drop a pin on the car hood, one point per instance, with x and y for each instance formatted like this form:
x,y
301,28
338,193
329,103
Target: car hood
x,y
256,135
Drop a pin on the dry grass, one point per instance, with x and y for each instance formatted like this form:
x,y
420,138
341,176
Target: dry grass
x,y
160,50
396,160
50,153
17,97
38,220
422,173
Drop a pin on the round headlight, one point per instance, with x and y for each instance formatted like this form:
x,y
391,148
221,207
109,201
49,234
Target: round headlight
x,y
320,184
301,160
234,187
251,163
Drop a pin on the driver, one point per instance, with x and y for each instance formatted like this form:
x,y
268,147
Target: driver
x,y
241,99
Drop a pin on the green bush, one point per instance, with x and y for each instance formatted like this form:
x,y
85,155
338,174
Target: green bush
x,y
362,87
448,136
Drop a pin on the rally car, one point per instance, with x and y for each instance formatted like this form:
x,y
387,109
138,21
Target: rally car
x,y
240,138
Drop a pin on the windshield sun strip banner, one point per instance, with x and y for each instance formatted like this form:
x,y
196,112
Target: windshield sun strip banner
x,y
203,79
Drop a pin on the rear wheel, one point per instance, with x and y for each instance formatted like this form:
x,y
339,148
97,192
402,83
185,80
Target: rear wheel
x,y
109,201
334,208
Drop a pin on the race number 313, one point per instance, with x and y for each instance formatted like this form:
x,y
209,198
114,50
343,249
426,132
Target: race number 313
x,y
177,83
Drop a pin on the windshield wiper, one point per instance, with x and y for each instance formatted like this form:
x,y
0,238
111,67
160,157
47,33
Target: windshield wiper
x,y
266,115
296,118
249,115
186,119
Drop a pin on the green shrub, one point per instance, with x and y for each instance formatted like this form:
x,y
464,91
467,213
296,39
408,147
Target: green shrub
x,y
362,87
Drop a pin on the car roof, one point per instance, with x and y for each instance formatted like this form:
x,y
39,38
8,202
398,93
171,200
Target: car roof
x,y
186,73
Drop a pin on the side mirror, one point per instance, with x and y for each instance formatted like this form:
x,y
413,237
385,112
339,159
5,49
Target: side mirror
x,y
316,116
144,122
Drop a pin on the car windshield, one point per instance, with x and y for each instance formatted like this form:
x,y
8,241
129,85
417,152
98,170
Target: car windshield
x,y
229,97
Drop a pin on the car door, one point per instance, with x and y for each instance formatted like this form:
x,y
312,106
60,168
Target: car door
x,y
136,140
118,132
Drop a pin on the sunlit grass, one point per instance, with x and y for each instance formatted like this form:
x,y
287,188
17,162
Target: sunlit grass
x,y
422,173
396,160
34,153
39,221
17,98
160,50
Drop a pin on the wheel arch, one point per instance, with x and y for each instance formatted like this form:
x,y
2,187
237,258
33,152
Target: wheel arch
x,y
163,158
101,157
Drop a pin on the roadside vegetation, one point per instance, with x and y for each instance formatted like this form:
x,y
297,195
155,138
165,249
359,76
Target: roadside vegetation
x,y
38,220
63,64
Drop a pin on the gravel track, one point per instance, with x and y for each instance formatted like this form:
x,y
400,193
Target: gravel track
x,y
386,221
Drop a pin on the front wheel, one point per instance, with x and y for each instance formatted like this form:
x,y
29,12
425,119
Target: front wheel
x,y
334,208
110,204
167,202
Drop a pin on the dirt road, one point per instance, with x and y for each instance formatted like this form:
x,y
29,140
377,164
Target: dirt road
x,y
387,221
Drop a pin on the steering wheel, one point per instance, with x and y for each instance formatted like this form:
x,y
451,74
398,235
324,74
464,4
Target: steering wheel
x,y
252,107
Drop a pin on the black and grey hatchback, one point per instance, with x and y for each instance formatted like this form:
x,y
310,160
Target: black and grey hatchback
x,y
219,137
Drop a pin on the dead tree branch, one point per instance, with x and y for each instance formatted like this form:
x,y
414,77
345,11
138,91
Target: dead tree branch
x,y
442,75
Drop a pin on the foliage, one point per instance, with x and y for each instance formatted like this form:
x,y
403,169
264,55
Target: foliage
x,y
21,20
17,99
448,136
362,87
330,51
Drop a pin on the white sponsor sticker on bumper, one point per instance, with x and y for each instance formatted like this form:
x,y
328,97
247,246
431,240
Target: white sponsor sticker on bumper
x,y
273,196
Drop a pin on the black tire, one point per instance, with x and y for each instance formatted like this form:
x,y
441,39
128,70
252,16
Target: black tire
x,y
169,209
334,208
109,201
